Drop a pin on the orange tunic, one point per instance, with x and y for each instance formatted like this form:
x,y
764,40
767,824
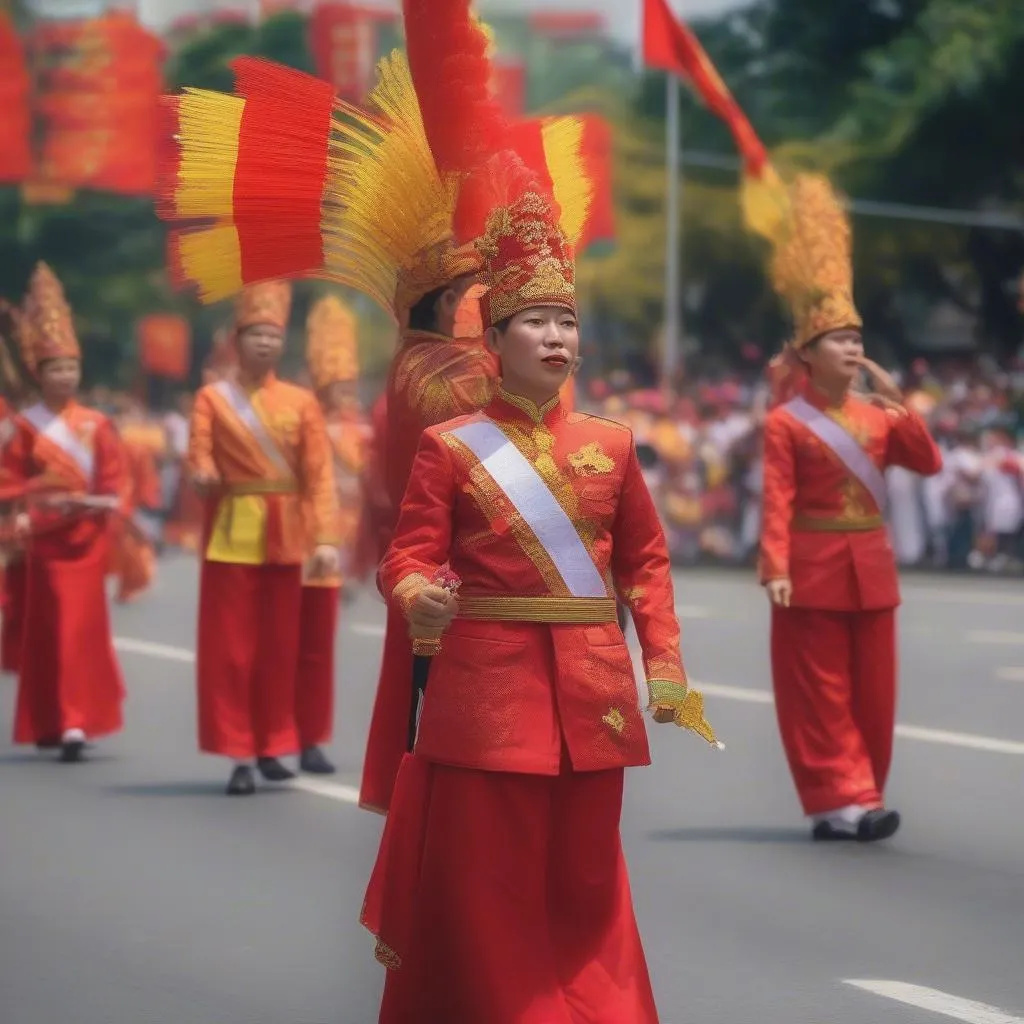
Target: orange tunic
x,y
257,516
15,439
543,682
821,527
69,675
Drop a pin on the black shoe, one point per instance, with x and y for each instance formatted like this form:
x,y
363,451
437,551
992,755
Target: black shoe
x,y
272,770
877,824
314,762
826,832
242,782
71,752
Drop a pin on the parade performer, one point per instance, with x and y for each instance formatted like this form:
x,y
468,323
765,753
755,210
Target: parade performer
x,y
826,560
14,436
69,684
508,811
258,451
333,362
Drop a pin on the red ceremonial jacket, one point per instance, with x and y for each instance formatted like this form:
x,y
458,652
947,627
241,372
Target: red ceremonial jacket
x,y
821,527
503,694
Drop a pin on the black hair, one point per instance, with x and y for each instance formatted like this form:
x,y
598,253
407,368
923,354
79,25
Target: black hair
x,y
502,325
423,314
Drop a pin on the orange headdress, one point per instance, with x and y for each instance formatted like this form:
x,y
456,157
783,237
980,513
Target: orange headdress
x,y
46,330
331,349
811,265
269,302
528,258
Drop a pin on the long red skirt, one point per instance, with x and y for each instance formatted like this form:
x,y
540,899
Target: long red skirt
x,y
314,684
504,899
12,631
246,661
834,676
69,677
389,723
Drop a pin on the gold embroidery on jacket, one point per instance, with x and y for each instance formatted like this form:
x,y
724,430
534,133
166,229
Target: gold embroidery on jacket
x,y
590,460
615,720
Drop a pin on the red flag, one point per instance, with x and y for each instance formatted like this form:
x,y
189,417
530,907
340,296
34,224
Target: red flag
x,y
670,46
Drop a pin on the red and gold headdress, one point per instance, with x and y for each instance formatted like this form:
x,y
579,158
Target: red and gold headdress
x,y
269,302
281,180
528,258
46,330
331,344
811,265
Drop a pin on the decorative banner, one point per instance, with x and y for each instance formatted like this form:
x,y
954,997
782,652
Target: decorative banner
x,y
165,346
99,84
15,116
343,41
567,24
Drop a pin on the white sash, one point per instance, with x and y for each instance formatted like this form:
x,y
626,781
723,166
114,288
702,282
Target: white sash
x,y
243,409
533,500
850,453
54,427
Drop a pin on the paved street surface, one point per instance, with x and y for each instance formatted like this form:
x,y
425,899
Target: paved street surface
x,y
133,892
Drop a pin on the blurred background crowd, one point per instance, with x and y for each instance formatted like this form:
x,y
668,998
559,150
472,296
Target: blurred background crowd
x,y
910,106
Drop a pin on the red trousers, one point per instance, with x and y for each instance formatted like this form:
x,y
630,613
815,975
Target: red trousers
x,y
246,660
314,683
835,695
69,677
517,909
13,629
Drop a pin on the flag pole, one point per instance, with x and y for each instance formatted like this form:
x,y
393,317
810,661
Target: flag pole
x,y
672,314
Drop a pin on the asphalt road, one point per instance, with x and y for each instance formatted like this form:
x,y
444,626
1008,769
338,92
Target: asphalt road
x,y
133,892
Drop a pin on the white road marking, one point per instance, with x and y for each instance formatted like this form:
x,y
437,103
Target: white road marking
x,y
331,790
145,647
367,629
692,611
744,695
1010,675
937,1002
995,636
938,595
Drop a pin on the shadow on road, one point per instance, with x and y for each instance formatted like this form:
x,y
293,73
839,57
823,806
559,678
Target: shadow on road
x,y
732,835
214,787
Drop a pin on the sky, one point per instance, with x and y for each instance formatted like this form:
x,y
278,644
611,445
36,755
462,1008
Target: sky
x,y
623,15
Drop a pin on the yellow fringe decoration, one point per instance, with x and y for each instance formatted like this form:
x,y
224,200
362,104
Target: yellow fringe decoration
x,y
387,212
574,191
210,258
208,130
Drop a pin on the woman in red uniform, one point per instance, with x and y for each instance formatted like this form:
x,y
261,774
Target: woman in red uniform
x,y
69,687
501,893
826,560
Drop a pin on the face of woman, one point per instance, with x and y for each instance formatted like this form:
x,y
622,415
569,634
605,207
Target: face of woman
x,y
59,378
835,357
538,351
260,346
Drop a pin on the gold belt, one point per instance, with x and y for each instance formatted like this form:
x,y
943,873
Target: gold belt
x,y
262,487
812,524
580,611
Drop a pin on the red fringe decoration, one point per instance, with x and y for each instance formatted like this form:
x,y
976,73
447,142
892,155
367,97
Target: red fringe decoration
x,y
453,74
497,183
168,157
281,169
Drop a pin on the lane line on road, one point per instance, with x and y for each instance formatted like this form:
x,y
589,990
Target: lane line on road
x,y
1010,675
958,597
741,694
935,1001
132,646
366,629
331,790
1002,637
